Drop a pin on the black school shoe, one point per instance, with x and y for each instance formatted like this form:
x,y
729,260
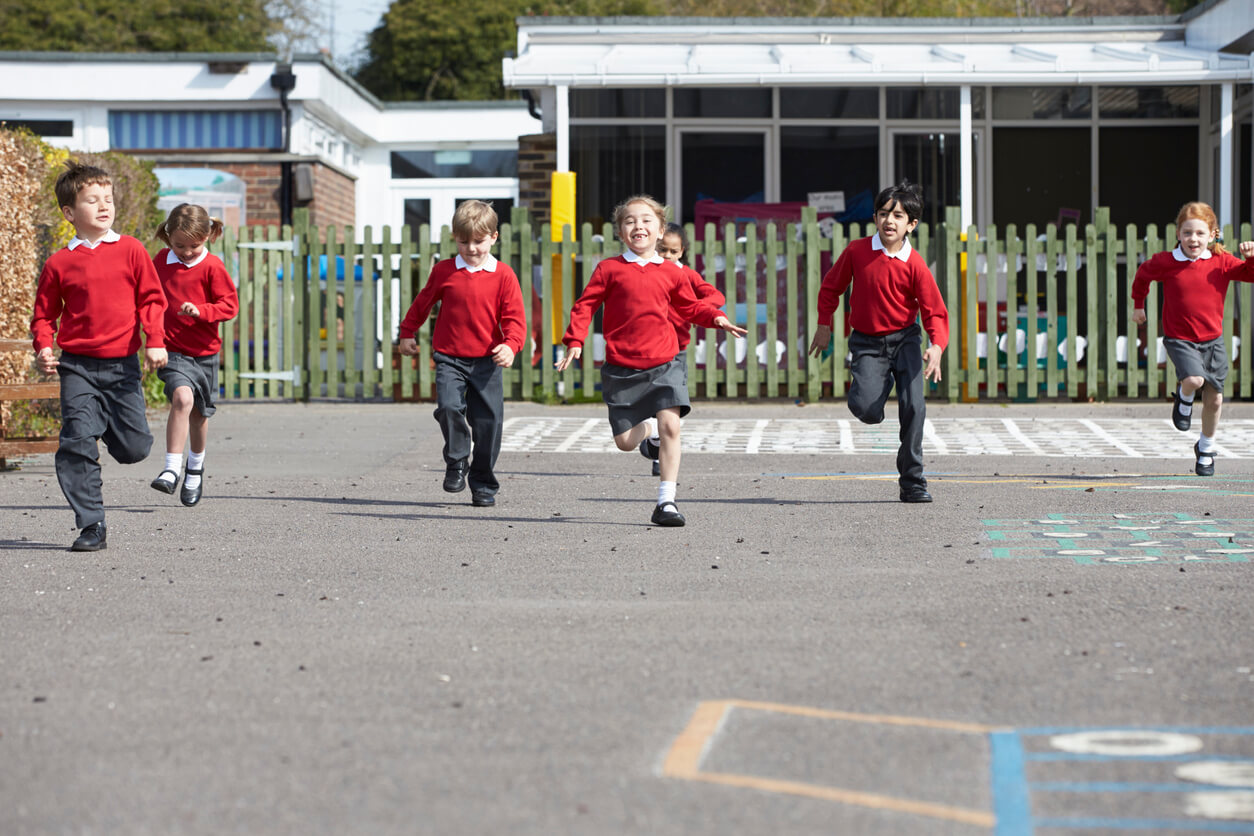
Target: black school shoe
x,y
667,515
651,451
93,538
455,477
164,485
190,496
482,499
915,493
1205,462
1182,422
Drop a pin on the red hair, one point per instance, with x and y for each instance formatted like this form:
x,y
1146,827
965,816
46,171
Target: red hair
x,y
1198,211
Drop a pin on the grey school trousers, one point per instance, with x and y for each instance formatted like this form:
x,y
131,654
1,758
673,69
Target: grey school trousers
x,y
101,399
878,364
470,398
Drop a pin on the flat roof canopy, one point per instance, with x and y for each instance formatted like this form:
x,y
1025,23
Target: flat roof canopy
x,y
627,52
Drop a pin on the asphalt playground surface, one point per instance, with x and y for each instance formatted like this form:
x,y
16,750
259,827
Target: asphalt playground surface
x,y
332,644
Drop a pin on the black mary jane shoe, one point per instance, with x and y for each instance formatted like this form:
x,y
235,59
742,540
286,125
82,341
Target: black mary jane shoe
x,y
915,493
667,515
1205,462
1181,421
164,486
455,477
93,538
190,496
482,499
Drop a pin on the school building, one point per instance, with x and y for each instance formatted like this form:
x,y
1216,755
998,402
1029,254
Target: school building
x,y
1014,120
253,138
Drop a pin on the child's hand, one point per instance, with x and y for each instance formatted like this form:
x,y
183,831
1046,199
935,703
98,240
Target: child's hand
x,y
155,358
572,355
822,336
931,357
726,324
46,361
188,309
503,356
1138,316
408,346
1246,248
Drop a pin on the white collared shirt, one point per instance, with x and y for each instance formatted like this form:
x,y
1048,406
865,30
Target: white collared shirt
x,y
902,254
171,258
631,258
1178,254
109,238
488,264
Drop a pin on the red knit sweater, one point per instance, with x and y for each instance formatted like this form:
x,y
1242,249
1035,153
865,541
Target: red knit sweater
x,y
95,300
480,310
638,299
207,286
703,290
888,293
1193,292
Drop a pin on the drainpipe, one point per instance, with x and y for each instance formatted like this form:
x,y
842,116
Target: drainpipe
x,y
284,80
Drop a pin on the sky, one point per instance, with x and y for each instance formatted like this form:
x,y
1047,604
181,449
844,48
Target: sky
x,y
354,20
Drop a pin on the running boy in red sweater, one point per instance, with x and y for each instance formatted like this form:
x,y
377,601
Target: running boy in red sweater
x,y
480,328
1195,277
891,286
94,295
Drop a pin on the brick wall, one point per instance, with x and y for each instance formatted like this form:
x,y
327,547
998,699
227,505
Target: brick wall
x,y
537,160
334,200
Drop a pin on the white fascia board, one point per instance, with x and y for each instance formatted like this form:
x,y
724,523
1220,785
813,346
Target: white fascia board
x,y
463,125
186,83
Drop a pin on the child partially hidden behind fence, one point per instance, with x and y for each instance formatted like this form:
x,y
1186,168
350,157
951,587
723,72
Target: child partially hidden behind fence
x,y
199,294
481,326
1195,277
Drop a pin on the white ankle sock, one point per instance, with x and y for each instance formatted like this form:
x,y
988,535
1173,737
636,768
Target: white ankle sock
x,y
666,492
653,435
1205,444
173,461
195,461
1186,404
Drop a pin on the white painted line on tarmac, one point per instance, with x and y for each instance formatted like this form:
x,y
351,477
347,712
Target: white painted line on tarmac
x,y
755,437
1109,439
577,434
1019,436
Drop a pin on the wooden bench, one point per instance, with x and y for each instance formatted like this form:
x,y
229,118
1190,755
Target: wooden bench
x,y
24,445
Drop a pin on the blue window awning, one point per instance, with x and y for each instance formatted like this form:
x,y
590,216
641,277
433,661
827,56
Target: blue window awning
x,y
166,130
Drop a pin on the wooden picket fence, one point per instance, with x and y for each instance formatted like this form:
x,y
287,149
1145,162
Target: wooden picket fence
x,y
1034,314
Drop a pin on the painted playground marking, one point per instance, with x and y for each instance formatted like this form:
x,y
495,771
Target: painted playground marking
x,y
1123,538
1048,437
1182,779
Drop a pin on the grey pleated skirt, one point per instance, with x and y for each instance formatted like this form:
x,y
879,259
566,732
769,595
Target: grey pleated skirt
x,y
636,394
1208,360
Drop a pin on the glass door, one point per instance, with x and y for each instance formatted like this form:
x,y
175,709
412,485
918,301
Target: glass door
x,y
932,159
729,166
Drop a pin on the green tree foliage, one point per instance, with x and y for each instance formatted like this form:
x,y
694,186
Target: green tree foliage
x,y
129,26
424,51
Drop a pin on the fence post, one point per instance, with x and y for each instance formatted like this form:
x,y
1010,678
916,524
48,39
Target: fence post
x,y
295,344
947,266
814,365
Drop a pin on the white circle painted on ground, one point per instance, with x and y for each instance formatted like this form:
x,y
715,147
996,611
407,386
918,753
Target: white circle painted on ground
x,y
1080,552
1219,773
1058,522
1230,806
1064,535
1131,743
1230,551
1131,558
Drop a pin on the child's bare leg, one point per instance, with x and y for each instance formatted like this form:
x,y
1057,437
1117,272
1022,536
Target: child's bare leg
x,y
631,439
1212,405
198,431
668,427
176,427
1189,385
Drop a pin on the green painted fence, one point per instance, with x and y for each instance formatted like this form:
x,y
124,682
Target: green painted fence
x,y
1034,314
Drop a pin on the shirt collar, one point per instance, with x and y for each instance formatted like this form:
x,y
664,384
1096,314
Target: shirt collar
x,y
903,254
109,238
171,258
632,258
1178,254
488,264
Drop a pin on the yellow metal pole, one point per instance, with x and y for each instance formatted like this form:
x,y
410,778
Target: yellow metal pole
x,y
562,213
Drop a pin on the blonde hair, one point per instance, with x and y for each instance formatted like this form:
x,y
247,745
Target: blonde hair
x,y
620,211
1198,211
75,177
191,220
474,219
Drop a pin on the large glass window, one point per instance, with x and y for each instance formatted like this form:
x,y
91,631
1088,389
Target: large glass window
x,y
829,102
417,213
1041,175
724,166
820,159
617,102
166,130
722,102
934,161
614,161
930,102
408,165
42,127
1042,102
1148,102
1125,158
